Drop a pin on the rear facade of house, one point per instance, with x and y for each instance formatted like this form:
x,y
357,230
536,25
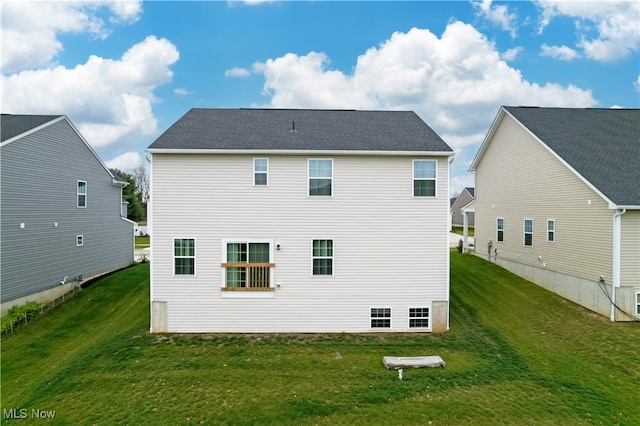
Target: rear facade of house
x,y
61,218
558,203
299,221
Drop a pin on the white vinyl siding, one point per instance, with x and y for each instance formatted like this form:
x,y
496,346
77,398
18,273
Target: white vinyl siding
x,y
519,177
371,190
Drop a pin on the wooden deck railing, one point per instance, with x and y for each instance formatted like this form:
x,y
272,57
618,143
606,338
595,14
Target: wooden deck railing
x,y
256,276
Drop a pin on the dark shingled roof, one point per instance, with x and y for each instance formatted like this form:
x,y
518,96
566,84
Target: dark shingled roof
x,y
300,129
14,125
602,145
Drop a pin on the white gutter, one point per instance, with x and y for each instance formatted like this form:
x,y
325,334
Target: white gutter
x,y
617,241
300,152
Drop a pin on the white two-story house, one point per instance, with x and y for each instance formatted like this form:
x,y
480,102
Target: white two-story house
x,y
267,220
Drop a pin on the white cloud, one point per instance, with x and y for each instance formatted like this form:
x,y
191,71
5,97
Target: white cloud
x,y
106,99
30,29
237,72
636,84
498,15
562,53
180,91
459,183
511,54
614,23
125,162
456,83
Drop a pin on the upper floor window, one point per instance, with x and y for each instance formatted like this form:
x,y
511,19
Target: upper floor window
x,y
322,257
184,256
500,229
551,230
82,194
424,178
528,232
260,171
321,177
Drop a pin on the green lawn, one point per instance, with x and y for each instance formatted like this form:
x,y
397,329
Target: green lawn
x,y
515,355
142,242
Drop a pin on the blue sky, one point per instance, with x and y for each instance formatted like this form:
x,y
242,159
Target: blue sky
x,y
123,72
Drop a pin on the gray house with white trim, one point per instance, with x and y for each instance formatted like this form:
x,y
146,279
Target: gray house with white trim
x,y
267,220
61,217
557,201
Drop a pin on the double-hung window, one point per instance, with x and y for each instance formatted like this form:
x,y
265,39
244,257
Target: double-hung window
x,y
424,178
248,265
528,232
380,317
184,256
551,230
260,171
500,229
419,317
320,177
81,192
638,304
322,257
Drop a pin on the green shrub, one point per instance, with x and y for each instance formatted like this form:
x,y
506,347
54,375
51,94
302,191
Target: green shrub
x,y
19,314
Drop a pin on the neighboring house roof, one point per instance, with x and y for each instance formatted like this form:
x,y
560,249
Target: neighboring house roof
x,y
14,125
601,145
301,130
471,191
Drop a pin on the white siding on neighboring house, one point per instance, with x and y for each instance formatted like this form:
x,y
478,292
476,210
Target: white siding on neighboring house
x,y
390,248
519,178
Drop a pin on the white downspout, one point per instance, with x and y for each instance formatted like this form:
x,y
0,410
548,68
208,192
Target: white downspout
x,y
617,240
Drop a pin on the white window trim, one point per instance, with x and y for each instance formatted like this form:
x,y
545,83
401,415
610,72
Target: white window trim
x,y
554,230
333,258
260,171
637,302
79,240
414,178
524,232
309,177
390,318
78,194
173,256
223,272
498,229
428,305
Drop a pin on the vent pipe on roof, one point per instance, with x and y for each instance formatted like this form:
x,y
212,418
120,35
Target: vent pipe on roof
x,y
293,126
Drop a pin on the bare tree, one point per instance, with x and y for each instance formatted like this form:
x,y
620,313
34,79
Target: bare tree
x,y
141,176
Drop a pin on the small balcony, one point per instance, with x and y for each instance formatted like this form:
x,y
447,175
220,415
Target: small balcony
x,y
243,276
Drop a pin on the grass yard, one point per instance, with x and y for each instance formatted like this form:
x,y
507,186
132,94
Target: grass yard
x,y
515,354
142,242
